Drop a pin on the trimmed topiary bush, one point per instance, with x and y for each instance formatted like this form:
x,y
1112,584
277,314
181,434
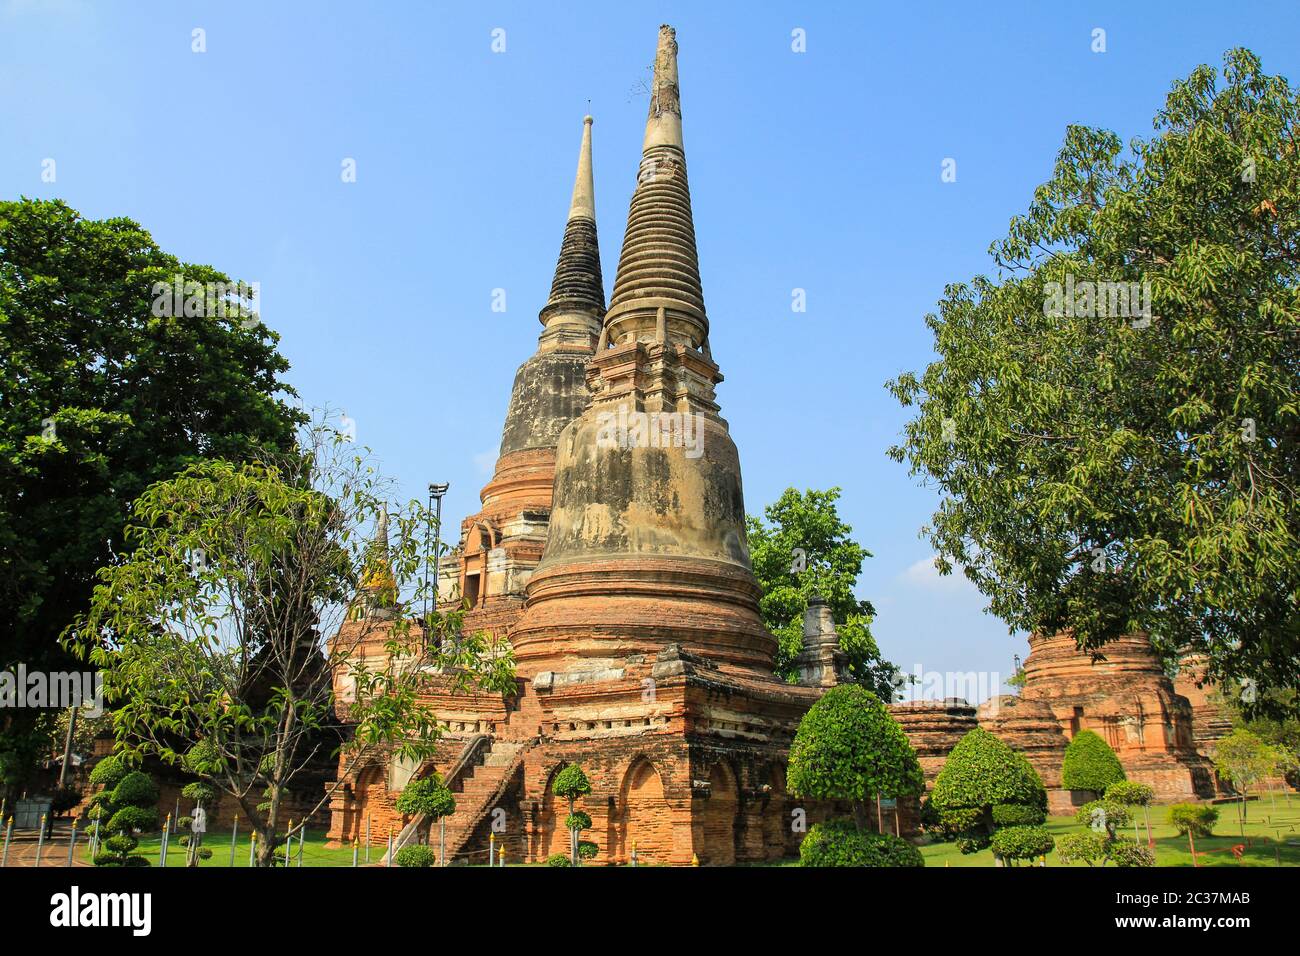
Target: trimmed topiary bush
x,y
1088,847
1014,843
415,855
1127,853
429,799
1194,818
571,783
839,843
131,806
577,820
135,789
982,773
558,859
1090,764
849,747
1107,814
1018,815
108,773
587,850
1130,793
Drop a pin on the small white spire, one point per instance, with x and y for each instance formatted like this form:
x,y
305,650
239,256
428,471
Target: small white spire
x,y
584,188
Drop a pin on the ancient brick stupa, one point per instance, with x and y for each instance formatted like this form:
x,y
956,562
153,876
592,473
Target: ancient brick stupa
x,y
1125,697
640,651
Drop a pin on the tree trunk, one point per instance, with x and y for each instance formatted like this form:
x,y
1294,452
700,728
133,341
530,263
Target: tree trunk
x,y
860,817
573,839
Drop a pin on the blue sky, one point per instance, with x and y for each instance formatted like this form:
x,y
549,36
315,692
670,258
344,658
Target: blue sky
x,y
817,170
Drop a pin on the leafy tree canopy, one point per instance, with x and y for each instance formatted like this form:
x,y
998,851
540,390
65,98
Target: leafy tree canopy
x,y
1114,421
827,563
99,398
849,747
982,771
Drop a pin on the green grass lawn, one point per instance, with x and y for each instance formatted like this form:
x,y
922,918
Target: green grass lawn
x,y
1269,835
314,853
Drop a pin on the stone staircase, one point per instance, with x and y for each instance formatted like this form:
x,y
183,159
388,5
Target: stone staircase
x,y
479,777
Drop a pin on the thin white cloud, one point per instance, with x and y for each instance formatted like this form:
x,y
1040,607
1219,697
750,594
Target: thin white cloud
x,y
485,461
925,576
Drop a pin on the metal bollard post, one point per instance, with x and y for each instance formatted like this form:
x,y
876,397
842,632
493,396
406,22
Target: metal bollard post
x,y
389,858
355,847
40,841
367,839
634,853
162,852
9,832
252,848
492,849
302,841
234,833
72,843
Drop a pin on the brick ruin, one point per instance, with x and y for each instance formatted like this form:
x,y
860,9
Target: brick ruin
x,y
1124,696
615,563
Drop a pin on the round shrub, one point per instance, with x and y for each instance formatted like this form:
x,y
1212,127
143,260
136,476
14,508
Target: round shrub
x,y
1018,815
205,853
1111,814
135,789
199,792
849,747
107,858
973,842
1130,793
1088,847
558,859
838,843
1195,818
428,797
587,850
982,772
121,843
129,819
571,782
1129,853
1090,764
415,855
577,821
1021,843
108,773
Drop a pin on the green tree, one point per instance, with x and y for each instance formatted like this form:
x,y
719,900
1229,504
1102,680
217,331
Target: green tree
x,y
210,631
980,782
1090,764
130,807
99,398
848,747
827,563
1130,793
1243,760
572,783
1115,463
428,799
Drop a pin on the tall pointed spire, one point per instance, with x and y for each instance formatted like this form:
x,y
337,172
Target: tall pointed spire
x,y
658,268
577,301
